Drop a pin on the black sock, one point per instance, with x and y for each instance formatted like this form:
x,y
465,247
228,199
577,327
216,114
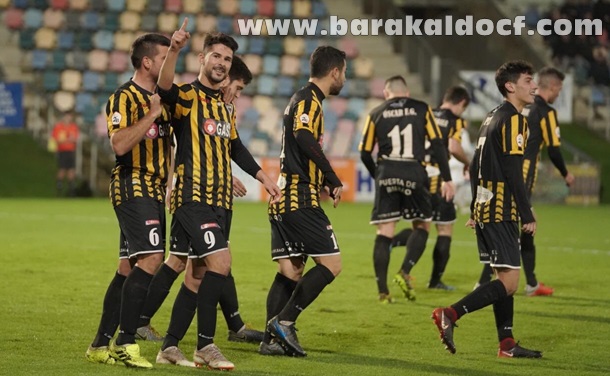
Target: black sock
x,y
306,291
111,312
503,313
381,261
528,255
183,312
415,248
208,297
135,290
230,306
440,258
400,239
279,294
483,296
486,274
158,290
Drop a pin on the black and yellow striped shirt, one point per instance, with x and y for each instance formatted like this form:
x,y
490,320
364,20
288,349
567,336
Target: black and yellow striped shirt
x,y
300,178
142,172
204,126
502,134
451,126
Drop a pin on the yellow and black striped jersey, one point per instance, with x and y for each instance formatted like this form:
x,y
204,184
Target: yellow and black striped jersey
x,y
502,134
204,126
142,172
400,126
300,178
451,126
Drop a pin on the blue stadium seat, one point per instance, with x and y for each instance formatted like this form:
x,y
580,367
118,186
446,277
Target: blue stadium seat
x,y
26,39
354,108
310,45
247,7
305,66
32,18
257,45
77,60
91,20
22,4
51,80
83,102
181,63
275,45
111,82
245,134
210,7
154,6
115,5
267,85
91,81
83,40
283,8
104,40
65,39
242,41
98,6
285,86
40,59
73,20
149,22
271,65
318,9
330,119
39,4
111,21
58,59
225,24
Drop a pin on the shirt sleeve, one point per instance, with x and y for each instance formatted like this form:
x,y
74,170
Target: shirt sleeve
x,y
178,98
550,129
368,136
514,135
460,125
306,115
432,129
118,112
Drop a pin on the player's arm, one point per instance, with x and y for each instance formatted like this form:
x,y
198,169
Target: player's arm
x,y
241,155
366,146
551,136
455,144
166,75
438,150
123,136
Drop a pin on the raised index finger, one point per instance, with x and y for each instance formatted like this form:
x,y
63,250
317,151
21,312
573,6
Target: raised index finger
x,y
184,24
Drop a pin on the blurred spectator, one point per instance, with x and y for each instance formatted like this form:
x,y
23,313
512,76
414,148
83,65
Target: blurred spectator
x,y
65,137
600,71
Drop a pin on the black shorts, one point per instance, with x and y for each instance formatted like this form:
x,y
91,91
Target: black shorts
x,y
499,244
66,160
401,191
443,212
142,223
303,232
198,230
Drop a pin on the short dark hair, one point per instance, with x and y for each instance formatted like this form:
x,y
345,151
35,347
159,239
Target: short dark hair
x,y
456,94
239,70
549,72
146,46
324,59
510,72
219,38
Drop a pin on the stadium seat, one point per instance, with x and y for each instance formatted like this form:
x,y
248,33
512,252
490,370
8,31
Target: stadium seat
x,y
124,77
247,7
80,5
98,6
65,39
135,5
310,45
39,4
111,21
285,86
192,62
59,4
168,22
129,20
72,20
53,18
123,40
174,6
91,81
258,146
250,90
289,65
21,4
77,59
245,134
39,59
181,63
363,67
50,80
243,103
104,40
155,6
206,23
32,18
148,22
257,46
83,102
63,100
224,24
228,7
45,38
118,61
283,8
338,105
275,46
242,42
266,8
13,18
192,6
318,9
111,82
267,85
71,80
376,86
91,20
304,66
26,39
58,60
84,40
210,7
196,42
301,8
348,45
294,46
115,5
354,108
271,65
330,118
254,62
98,60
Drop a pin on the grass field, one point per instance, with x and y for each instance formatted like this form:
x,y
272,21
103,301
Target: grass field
x,y
59,255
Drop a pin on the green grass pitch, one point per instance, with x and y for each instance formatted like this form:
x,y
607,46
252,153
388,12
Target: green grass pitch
x,y
59,255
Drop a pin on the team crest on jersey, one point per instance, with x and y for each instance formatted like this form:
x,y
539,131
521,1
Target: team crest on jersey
x,y
229,107
304,118
519,140
116,118
153,131
557,132
209,126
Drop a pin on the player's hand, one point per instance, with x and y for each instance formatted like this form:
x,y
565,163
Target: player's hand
x,y
529,228
239,189
466,172
228,94
274,191
180,37
471,223
155,105
569,179
335,195
448,190
168,198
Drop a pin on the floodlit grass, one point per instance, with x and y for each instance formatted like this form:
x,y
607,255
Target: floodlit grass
x,y
59,255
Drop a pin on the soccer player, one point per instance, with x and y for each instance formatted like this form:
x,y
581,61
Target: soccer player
x,y
499,200
202,196
543,128
185,304
65,136
451,125
140,135
401,126
299,226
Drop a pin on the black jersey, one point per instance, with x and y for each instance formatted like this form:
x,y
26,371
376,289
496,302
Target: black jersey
x,y
142,172
502,134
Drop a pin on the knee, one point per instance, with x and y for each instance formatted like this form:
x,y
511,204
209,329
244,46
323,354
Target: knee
x,y
177,264
150,263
